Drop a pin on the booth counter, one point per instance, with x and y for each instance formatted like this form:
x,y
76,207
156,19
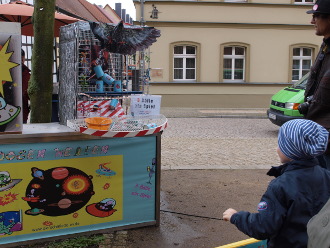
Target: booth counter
x,y
55,181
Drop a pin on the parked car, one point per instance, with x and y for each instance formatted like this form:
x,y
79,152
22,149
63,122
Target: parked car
x,y
284,104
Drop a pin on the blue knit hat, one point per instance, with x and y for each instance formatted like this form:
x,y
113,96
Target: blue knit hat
x,y
302,139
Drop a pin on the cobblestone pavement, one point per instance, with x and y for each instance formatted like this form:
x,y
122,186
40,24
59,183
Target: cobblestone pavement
x,y
219,143
255,113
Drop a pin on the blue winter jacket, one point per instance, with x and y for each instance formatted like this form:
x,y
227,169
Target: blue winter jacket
x,y
298,192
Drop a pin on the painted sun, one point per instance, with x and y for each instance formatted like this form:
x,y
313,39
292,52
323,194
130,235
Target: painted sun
x,y
8,198
76,184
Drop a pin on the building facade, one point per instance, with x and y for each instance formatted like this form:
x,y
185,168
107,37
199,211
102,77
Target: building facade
x,y
227,54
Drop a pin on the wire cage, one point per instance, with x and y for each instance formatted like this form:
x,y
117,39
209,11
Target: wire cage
x,y
82,60
89,54
129,69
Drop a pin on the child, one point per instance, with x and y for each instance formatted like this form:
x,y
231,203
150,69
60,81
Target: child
x,y
298,192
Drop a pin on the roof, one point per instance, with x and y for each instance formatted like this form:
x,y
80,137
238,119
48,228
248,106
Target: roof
x,y
108,11
84,9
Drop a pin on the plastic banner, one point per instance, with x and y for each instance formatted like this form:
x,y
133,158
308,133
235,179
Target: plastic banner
x,y
59,188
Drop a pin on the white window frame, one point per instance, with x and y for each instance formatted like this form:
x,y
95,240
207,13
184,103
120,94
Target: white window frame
x,y
185,56
301,58
304,2
233,57
8,1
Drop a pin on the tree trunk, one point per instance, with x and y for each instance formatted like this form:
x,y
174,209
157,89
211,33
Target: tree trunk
x,y
41,82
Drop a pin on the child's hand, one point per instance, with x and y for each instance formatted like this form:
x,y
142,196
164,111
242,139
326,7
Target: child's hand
x,y
228,213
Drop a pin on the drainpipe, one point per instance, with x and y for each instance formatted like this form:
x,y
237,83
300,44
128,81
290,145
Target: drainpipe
x,y
142,13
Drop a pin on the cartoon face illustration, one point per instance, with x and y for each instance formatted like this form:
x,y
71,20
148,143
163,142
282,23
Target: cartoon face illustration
x,y
102,209
106,204
7,112
4,178
6,183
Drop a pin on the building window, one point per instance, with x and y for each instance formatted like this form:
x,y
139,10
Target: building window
x,y
27,45
8,1
184,61
234,63
304,1
302,58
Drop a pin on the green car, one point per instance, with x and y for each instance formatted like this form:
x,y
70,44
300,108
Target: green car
x,y
284,104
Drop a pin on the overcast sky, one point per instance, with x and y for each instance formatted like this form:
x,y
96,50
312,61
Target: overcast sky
x,y
125,4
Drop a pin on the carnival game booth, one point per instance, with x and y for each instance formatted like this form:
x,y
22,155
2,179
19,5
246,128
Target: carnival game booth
x,y
100,66
87,174
56,181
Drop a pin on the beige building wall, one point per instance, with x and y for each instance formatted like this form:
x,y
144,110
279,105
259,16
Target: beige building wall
x,y
189,11
266,65
269,30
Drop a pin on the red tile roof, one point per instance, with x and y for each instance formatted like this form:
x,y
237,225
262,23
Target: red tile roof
x,y
84,9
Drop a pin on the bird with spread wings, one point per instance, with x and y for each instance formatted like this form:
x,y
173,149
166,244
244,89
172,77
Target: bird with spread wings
x,y
124,39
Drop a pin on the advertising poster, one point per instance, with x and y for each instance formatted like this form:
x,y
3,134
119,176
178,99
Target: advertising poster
x,y
10,78
53,189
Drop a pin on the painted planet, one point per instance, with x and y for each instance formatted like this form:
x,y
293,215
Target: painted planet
x,y
64,203
38,173
34,211
36,186
60,173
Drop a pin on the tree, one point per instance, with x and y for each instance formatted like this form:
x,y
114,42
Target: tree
x,y
41,82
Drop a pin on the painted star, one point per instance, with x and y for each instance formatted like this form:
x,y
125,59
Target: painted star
x,y
5,65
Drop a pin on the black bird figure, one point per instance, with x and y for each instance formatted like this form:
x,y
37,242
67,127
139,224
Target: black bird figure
x,y
124,39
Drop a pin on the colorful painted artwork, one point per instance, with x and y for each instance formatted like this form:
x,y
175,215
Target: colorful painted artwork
x,y
71,190
10,222
10,83
6,183
49,189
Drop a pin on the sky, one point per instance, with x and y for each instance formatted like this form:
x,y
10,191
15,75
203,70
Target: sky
x,y
125,4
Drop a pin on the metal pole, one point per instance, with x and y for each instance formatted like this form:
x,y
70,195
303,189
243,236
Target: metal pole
x,y
142,13
142,53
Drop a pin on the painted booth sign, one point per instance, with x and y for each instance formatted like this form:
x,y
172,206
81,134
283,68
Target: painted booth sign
x,y
10,82
52,189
